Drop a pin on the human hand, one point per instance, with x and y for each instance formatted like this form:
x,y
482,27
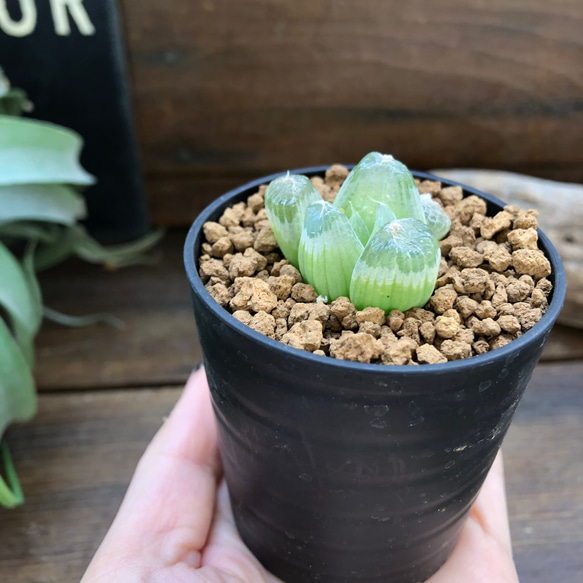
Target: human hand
x,y
175,524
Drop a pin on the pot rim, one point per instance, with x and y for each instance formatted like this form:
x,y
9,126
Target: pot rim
x,y
508,351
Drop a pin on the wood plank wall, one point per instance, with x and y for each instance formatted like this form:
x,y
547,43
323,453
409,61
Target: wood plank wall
x,y
228,90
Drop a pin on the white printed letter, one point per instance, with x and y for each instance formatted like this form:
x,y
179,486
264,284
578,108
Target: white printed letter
x,y
78,14
25,25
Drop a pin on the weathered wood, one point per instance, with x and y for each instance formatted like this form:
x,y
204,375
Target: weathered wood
x,y
75,461
226,89
76,458
564,344
159,345
177,199
544,473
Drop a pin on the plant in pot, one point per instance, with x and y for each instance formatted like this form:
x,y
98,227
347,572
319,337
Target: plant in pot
x,y
362,399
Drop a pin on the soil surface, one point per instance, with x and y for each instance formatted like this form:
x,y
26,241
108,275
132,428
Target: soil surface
x,y
491,288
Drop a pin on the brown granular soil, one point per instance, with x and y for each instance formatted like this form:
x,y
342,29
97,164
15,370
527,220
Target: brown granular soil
x,y
491,288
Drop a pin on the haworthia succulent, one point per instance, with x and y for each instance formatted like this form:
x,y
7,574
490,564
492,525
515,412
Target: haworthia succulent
x,y
435,217
398,267
329,249
378,242
286,201
379,178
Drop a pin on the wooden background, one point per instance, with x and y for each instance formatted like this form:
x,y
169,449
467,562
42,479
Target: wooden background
x,y
229,90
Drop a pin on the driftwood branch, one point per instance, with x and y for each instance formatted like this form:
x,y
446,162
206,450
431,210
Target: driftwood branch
x,y
561,218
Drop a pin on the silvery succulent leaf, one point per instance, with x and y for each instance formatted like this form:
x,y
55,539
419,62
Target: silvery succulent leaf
x,y
35,152
54,203
379,178
19,302
17,393
286,200
329,249
435,216
398,267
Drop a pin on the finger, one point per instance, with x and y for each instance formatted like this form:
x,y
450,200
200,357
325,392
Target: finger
x,y
490,509
168,509
226,550
483,553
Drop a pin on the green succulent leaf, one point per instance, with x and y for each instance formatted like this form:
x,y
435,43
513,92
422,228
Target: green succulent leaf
x,y
398,267
437,221
19,301
60,248
379,178
134,253
11,492
76,241
384,215
29,231
32,282
39,165
17,392
53,203
82,321
15,102
34,152
12,101
329,249
286,200
359,227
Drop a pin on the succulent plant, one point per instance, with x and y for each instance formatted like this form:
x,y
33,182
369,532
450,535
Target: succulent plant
x,y
377,244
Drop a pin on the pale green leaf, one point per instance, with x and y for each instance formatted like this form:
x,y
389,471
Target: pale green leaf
x,y
18,301
286,200
76,241
384,215
34,152
398,267
133,253
60,248
377,179
53,203
15,102
32,281
82,321
10,493
359,227
17,392
29,231
435,216
329,249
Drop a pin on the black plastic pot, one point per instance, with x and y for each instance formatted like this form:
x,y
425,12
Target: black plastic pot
x,y
342,472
